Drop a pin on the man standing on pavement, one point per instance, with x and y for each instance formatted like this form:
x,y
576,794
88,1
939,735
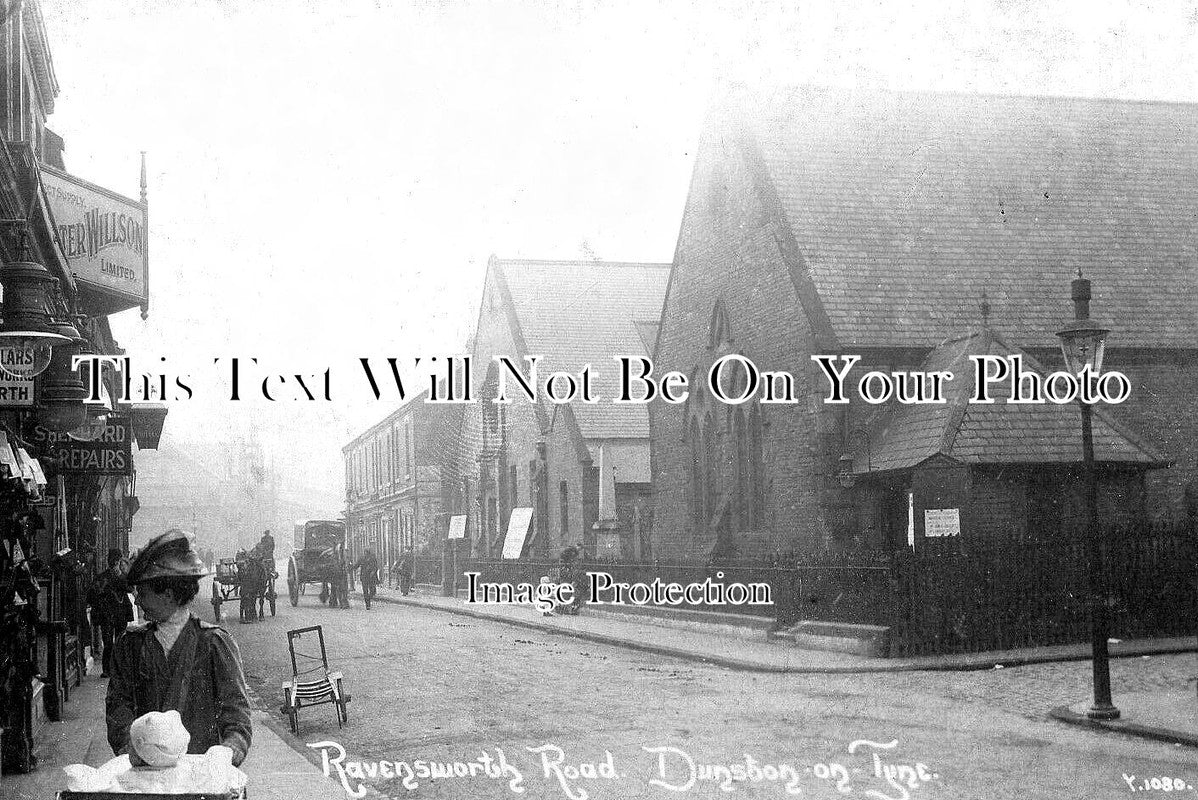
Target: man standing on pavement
x,y
175,661
111,610
405,565
369,564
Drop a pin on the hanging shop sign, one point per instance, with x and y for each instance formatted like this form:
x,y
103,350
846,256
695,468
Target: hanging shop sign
x,y
15,391
102,234
108,452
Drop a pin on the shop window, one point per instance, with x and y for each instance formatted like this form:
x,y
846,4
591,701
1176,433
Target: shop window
x,y
408,455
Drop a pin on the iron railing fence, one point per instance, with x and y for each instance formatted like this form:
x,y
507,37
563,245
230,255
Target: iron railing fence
x,y
838,590
970,595
963,594
426,569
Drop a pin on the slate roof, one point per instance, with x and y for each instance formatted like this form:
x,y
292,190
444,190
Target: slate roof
x,y
906,206
575,313
997,433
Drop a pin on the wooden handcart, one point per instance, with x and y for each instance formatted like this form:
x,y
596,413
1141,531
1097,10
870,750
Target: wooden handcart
x,y
312,682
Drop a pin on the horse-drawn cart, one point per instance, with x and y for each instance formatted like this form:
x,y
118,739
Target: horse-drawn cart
x,y
249,579
315,559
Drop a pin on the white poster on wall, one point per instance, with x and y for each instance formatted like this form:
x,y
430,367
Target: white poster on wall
x,y
517,531
941,522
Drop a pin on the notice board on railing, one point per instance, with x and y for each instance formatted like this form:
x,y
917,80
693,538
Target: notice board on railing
x,y
941,522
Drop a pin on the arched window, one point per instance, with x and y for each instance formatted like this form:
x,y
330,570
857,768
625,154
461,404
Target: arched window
x,y
718,333
744,500
697,472
709,469
756,470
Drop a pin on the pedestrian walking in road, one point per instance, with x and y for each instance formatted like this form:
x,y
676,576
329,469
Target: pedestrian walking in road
x,y
111,610
174,660
340,598
405,565
368,563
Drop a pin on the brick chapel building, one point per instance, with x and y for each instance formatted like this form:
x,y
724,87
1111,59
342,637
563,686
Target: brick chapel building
x,y
544,455
890,225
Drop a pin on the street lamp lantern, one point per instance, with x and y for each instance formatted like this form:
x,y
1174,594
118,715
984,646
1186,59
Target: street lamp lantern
x,y
1083,340
1082,344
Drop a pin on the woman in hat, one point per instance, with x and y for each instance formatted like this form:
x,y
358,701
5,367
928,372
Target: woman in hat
x,y
174,660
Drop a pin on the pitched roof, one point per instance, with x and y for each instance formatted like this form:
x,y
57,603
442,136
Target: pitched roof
x,y
575,313
996,433
906,206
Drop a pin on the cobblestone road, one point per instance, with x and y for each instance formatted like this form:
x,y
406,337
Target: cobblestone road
x,y
433,687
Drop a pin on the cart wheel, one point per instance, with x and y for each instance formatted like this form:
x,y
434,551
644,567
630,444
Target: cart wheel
x,y
343,713
293,586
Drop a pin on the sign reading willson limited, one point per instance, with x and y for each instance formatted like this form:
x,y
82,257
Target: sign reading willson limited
x,y
102,233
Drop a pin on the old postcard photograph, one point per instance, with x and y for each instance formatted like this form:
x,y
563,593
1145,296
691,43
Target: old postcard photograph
x,y
594,400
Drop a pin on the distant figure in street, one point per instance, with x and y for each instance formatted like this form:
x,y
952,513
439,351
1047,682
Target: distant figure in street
x,y
266,547
369,564
110,606
404,566
340,598
568,571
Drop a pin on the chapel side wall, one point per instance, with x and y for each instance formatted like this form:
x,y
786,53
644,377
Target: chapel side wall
x,y
1163,410
727,251
523,430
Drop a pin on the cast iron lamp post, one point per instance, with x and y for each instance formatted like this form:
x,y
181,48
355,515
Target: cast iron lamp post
x,y
1082,343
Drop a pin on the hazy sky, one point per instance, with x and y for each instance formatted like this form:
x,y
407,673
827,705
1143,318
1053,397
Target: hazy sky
x,y
327,179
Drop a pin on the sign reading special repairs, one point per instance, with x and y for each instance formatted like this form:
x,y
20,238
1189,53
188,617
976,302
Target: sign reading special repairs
x,y
102,233
109,452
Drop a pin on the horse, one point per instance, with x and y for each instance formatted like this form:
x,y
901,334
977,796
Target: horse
x,y
251,586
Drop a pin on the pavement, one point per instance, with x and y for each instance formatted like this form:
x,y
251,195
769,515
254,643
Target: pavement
x,y
1152,714
275,770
